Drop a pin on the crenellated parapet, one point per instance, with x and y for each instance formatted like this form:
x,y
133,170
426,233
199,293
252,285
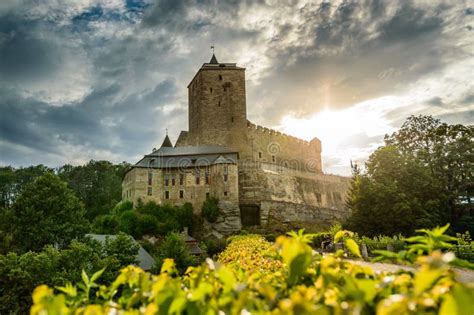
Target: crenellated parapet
x,y
269,145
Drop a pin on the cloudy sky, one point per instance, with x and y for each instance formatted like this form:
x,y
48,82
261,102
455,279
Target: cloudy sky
x,y
103,79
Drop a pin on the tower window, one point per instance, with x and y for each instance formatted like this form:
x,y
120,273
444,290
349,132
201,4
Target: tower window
x,y
225,89
150,178
318,197
225,193
167,195
259,155
210,89
273,158
207,178
181,194
150,191
226,173
207,195
181,179
173,181
232,119
220,77
167,180
219,104
197,176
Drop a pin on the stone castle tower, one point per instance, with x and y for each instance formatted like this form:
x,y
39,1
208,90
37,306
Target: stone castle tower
x,y
217,107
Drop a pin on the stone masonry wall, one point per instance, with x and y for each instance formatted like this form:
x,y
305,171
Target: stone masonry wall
x,y
270,146
288,196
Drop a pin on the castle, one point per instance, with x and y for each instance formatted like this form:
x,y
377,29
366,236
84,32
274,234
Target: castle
x,y
260,176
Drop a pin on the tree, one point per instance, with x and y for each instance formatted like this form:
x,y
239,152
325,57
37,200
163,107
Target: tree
x,y
46,212
396,195
175,247
21,273
98,184
210,209
420,178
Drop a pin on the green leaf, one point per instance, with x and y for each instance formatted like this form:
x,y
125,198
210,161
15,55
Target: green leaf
x,y
85,278
457,302
353,247
96,275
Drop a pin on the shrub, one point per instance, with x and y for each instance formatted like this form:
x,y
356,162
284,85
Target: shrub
x,y
257,277
210,209
175,247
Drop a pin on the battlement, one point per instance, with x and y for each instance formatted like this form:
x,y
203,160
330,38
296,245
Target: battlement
x,y
284,137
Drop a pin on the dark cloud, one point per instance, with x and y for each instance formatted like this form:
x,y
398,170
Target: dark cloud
x,y
108,78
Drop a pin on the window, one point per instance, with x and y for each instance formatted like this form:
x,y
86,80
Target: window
x,y
210,90
219,104
181,179
181,194
232,119
197,176
225,88
225,193
167,195
150,191
273,158
207,178
259,155
207,195
173,181
226,173
337,197
220,77
150,178
167,180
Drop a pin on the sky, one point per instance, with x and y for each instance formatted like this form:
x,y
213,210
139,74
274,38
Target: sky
x,y
104,79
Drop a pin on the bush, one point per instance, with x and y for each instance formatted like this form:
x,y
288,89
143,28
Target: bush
x,y
175,247
256,277
210,209
214,247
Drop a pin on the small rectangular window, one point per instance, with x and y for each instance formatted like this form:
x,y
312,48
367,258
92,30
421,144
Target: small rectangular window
x,y
173,181
167,180
197,177
167,195
207,178
225,193
220,77
181,179
273,158
150,178
181,194
207,195
210,90
259,155
150,191
226,173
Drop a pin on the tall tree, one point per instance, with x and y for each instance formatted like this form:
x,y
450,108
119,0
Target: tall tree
x,y
98,184
46,212
423,176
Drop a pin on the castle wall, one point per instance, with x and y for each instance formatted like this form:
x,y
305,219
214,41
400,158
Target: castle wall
x,y
289,196
270,146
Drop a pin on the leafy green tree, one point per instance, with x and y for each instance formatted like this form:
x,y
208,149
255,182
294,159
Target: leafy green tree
x,y
422,177
20,274
12,181
98,184
210,209
175,247
46,212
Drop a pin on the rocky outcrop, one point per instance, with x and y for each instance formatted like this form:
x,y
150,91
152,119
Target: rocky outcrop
x,y
228,221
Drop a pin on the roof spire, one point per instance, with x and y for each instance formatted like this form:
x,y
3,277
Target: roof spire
x,y
213,59
167,141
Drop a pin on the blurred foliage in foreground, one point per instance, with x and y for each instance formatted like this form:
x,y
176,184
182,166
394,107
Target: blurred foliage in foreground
x,y
253,276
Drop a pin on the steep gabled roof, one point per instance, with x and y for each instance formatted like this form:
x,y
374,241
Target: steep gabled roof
x,y
167,143
213,59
